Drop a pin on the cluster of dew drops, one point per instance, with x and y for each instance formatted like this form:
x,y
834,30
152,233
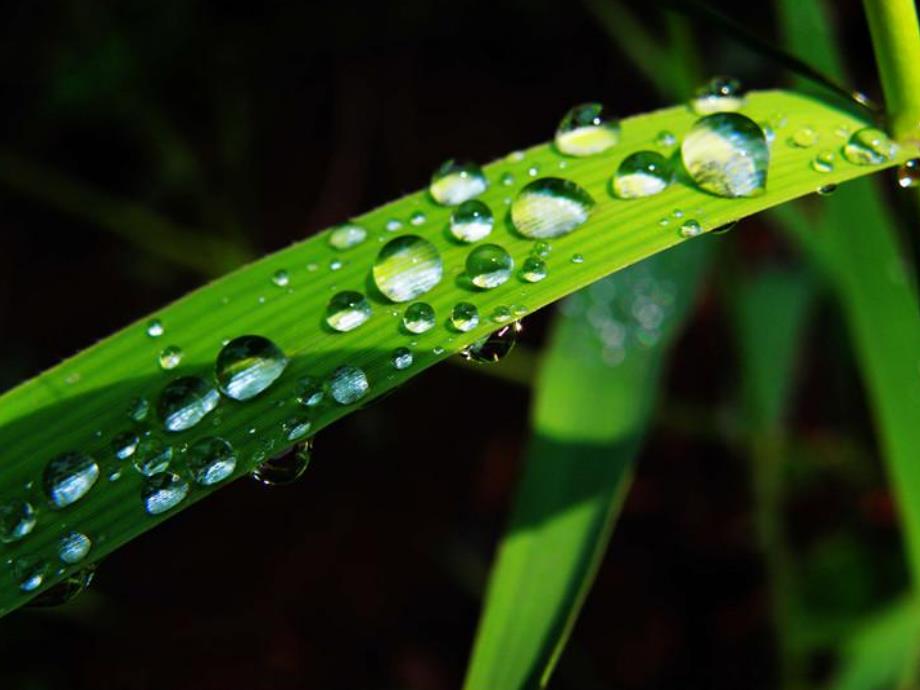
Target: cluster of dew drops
x,y
725,153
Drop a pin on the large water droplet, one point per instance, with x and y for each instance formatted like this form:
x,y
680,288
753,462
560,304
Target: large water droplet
x,y
211,460
869,146
248,365
347,310
453,183
419,318
66,590
348,384
170,357
719,95
489,265
471,221
162,492
495,346
73,547
727,154
152,456
550,207
347,236
68,477
464,316
407,267
587,129
402,358
534,269
287,468
185,401
17,519
643,173
909,174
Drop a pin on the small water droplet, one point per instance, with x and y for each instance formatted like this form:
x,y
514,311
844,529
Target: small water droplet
x,y
587,129
489,265
211,460
453,183
185,401
31,574
533,269
690,228
501,314
823,162
417,218
419,318
124,444
471,221
347,310
163,491
577,259
727,154
336,265
17,519
641,174
909,174
73,547
550,207
348,384
248,365
309,393
281,278
804,137
533,171
152,456
407,267
296,428
665,138
347,236
402,358
68,477
541,249
286,468
827,189
720,94
495,346
138,409
869,146
170,357
464,317
155,328
507,179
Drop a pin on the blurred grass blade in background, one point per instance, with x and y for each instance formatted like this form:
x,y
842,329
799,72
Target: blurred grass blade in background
x,y
595,391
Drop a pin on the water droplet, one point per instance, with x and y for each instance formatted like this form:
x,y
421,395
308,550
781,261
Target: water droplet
x,y
17,519
211,460
577,259
823,162
347,310
68,477
281,278
507,179
909,174
827,189
664,222
533,171
534,269
471,221
690,228
73,547
417,218
587,129
719,95
309,392
518,310
297,427
138,409
489,266
542,249
453,183
495,346
66,590
155,328
248,365
501,314
643,173
162,492
550,207
464,316
407,267
185,401
347,236
665,138
348,384
804,137
336,264
677,213
124,444
170,357
869,146
402,358
419,318
152,456
727,154
31,575
287,468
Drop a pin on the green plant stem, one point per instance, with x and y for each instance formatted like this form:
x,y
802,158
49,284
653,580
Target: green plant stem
x,y
896,41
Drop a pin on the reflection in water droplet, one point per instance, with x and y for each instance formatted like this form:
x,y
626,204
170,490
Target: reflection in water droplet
x,y
152,456
495,346
348,384
453,183
727,154
402,358
826,190
407,267
909,174
690,228
550,207
73,547
68,477
641,174
347,310
17,519
66,590
488,266
464,316
124,444
823,162
869,146
281,278
287,468
347,236
170,357
719,95
533,269
471,221
587,129
248,365
185,401
162,492
211,460
309,393
155,328
804,137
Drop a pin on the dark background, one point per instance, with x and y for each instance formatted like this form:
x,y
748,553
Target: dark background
x,y
261,123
